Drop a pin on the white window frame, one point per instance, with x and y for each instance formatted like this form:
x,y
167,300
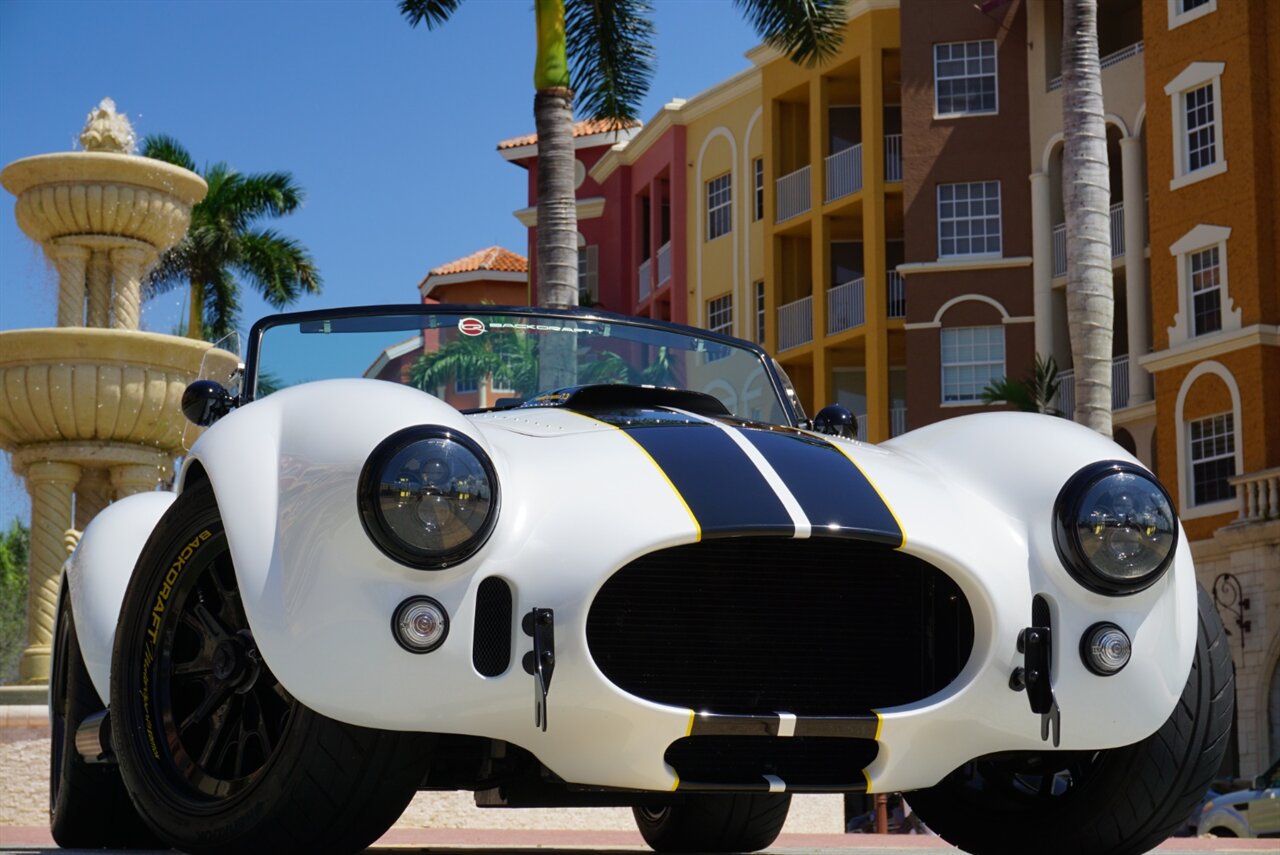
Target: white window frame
x,y
719,195
757,171
1177,17
994,74
719,320
471,387
945,366
1198,239
1186,490
1195,76
760,311
969,219
1198,292
1230,454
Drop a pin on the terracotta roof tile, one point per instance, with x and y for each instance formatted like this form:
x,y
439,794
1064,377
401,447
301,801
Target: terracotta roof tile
x,y
493,258
580,129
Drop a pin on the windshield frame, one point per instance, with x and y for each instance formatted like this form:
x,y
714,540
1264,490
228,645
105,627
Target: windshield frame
x,y
250,378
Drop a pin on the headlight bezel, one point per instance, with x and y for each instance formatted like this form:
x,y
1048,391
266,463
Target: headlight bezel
x,y
380,530
1066,538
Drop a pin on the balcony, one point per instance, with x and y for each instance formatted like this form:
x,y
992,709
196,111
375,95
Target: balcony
x,y
646,281
793,194
844,173
1119,387
846,306
897,301
1107,61
1060,240
1259,496
893,157
664,263
795,323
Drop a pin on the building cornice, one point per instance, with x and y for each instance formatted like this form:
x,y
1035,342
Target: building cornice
x,y
439,281
620,136
1209,346
951,265
588,209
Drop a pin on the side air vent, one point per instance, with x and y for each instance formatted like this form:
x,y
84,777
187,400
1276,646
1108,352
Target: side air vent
x,y
491,644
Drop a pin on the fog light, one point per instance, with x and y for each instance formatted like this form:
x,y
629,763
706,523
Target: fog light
x,y
1105,649
420,624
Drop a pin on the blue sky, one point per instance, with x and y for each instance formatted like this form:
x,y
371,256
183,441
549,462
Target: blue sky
x,y
390,130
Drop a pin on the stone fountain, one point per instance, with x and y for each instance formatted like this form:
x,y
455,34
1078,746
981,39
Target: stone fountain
x,y
89,410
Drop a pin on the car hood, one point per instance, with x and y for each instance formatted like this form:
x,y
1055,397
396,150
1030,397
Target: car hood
x,y
734,476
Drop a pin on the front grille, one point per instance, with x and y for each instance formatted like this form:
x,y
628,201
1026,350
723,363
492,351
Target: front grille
x,y
802,762
759,625
491,642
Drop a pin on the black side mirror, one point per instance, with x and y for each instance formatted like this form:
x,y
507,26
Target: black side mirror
x,y
835,420
204,402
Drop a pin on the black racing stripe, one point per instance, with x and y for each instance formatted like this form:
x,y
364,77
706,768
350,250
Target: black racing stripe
x,y
722,487
835,495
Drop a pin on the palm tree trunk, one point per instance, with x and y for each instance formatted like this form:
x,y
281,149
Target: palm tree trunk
x,y
557,213
195,314
1087,194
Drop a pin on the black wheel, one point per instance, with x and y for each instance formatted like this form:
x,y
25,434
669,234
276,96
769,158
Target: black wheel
x,y
712,822
1114,802
216,754
88,805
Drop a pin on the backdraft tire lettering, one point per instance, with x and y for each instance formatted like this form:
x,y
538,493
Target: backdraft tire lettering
x,y
1120,801
216,755
714,822
89,807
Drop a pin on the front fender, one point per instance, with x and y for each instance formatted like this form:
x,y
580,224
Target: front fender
x,y
291,442
98,573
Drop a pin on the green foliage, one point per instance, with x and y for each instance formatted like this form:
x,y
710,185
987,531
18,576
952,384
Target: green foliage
x,y
510,360
1032,395
808,31
15,547
225,248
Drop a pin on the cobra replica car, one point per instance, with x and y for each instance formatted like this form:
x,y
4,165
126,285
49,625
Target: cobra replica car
x,y
577,559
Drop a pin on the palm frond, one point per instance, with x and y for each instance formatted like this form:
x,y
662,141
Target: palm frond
x,y
221,306
170,272
266,194
432,13
807,31
279,267
611,56
168,149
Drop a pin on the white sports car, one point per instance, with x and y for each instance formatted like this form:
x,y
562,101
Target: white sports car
x,y
576,559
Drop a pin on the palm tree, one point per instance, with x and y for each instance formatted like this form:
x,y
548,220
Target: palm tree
x,y
607,43
1087,196
224,248
511,361
1032,395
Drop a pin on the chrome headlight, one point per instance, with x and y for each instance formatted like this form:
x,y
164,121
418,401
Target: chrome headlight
x,y
428,497
1114,528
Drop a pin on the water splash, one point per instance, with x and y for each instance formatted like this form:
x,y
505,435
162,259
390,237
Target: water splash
x,y
106,129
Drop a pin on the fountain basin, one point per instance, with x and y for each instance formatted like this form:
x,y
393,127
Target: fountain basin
x,y
92,385
102,193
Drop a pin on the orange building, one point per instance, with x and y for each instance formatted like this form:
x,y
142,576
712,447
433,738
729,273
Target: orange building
x,y
1213,137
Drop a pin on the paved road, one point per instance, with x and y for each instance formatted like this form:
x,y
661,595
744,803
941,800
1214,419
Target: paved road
x,y
513,842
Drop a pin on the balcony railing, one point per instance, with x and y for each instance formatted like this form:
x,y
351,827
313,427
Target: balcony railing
x,y
846,306
1060,240
646,282
793,194
1258,494
893,157
861,421
897,421
897,295
795,323
1107,61
1066,403
664,263
844,173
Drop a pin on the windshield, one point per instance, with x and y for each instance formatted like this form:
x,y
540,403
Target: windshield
x,y
487,358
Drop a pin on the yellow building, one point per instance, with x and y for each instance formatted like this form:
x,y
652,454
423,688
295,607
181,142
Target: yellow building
x,y
831,199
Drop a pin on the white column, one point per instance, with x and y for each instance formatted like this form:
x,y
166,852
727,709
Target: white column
x,y
128,264
71,262
51,484
99,285
1137,302
1042,263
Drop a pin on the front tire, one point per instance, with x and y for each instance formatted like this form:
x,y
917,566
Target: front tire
x,y
216,754
711,822
1120,801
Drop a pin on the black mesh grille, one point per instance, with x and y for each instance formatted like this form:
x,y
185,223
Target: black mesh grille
x,y
812,762
759,625
491,644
